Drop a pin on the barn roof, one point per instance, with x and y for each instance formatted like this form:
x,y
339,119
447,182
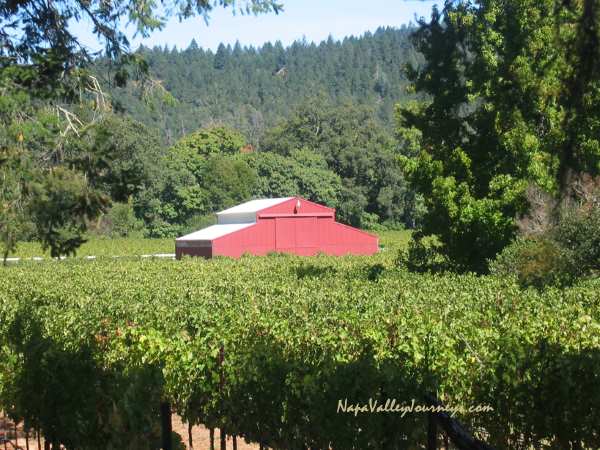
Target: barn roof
x,y
214,232
254,206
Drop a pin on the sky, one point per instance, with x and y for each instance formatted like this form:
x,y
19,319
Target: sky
x,y
313,19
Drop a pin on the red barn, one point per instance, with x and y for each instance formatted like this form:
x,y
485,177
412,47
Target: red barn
x,y
289,225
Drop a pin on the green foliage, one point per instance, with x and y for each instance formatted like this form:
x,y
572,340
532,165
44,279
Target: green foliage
x,y
503,105
280,176
118,155
170,201
98,246
14,174
218,140
579,233
177,442
355,148
120,221
226,182
54,111
196,223
536,262
198,176
423,255
298,335
61,203
567,252
34,139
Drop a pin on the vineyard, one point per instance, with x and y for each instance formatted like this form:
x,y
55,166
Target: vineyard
x,y
266,348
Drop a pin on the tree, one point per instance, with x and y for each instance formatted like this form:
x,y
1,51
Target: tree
x,y
221,57
510,100
354,147
14,174
34,140
118,155
47,92
262,86
61,203
199,175
226,181
209,141
280,176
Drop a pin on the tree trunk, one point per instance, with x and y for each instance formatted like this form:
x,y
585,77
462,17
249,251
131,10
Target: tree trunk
x,y
190,441
587,61
166,426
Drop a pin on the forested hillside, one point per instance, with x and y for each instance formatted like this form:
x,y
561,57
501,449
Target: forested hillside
x,y
251,88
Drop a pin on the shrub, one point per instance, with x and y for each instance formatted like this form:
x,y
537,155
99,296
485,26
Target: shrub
x,y
120,221
579,232
423,255
537,262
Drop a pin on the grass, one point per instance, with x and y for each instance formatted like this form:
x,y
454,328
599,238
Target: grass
x,y
389,241
394,240
104,247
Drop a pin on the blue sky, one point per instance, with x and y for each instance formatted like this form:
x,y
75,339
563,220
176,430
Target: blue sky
x,y
314,19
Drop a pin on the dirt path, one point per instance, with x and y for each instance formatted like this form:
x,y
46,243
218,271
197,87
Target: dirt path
x,y
200,437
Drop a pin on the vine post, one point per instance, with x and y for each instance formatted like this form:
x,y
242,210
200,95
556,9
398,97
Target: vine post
x,y
431,432
166,426
221,385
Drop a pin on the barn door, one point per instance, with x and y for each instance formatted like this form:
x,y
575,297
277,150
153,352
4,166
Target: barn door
x,y
285,240
307,236
296,235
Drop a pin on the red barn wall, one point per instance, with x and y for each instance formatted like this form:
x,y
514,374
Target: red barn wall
x,y
258,239
299,235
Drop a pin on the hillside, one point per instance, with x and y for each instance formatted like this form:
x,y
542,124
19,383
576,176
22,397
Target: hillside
x,y
251,88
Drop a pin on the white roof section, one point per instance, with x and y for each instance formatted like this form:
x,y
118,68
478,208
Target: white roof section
x,y
254,206
214,232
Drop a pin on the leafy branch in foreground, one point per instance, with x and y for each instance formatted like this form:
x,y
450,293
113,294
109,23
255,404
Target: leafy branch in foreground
x,y
40,49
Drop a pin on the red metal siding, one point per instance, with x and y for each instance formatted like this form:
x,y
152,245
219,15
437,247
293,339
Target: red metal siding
x,y
339,239
258,239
